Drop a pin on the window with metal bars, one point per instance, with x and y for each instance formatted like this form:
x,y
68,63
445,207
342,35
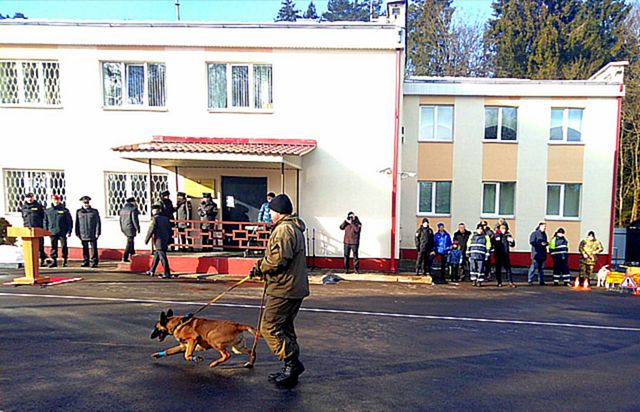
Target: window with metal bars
x,y
120,186
42,183
133,84
33,83
245,86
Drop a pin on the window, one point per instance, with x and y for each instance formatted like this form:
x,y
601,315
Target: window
x,y
563,200
566,125
498,199
133,84
500,123
34,83
436,123
42,183
434,198
248,86
120,186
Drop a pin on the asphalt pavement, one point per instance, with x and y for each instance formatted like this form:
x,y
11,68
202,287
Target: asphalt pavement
x,y
367,346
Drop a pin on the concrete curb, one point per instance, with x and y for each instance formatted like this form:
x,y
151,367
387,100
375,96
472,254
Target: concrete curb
x,y
316,279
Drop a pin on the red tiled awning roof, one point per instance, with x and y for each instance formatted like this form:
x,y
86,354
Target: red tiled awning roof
x,y
279,147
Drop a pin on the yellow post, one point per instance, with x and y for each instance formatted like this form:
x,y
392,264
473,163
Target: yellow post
x,y
31,238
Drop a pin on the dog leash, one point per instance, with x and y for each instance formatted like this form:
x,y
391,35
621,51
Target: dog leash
x,y
259,325
217,298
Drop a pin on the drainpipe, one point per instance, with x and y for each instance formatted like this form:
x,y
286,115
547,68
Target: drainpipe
x,y
394,190
615,178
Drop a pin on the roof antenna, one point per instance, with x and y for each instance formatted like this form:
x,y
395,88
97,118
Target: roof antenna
x,y
178,10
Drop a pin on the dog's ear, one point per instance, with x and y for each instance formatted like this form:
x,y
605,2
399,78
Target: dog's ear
x,y
163,318
170,313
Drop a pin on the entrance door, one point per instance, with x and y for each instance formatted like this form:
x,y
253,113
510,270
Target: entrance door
x,y
242,198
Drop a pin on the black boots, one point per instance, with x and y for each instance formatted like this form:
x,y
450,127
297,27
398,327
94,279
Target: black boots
x,y
288,376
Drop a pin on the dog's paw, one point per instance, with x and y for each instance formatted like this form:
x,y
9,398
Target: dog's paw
x,y
197,359
248,365
156,355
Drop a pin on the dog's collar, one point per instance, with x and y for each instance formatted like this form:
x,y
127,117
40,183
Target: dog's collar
x,y
185,319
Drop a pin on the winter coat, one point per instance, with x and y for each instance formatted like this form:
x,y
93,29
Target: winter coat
x,y
591,248
207,211
442,242
58,221
479,246
424,239
284,264
88,223
129,223
33,214
462,239
167,208
454,257
263,214
161,232
559,247
351,231
538,249
502,242
184,212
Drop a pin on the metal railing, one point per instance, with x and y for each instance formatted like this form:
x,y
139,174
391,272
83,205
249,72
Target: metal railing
x,y
219,235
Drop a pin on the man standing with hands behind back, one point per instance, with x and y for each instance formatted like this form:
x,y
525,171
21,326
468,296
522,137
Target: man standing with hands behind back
x,y
88,230
57,220
351,227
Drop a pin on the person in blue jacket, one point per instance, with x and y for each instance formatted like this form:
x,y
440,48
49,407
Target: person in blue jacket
x,y
539,243
442,245
454,260
263,214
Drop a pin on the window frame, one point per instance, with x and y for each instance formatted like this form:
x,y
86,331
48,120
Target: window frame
x,y
50,191
498,138
434,193
496,212
561,204
128,191
125,90
229,78
41,84
436,108
565,125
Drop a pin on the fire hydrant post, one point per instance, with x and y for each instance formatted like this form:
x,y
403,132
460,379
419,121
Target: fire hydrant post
x,y
31,238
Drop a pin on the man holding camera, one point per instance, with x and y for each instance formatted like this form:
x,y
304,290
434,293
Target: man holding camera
x,y
352,228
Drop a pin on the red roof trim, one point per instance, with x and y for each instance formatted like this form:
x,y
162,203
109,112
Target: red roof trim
x,y
233,140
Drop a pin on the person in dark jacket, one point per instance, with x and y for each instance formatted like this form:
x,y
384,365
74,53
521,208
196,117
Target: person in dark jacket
x,y
352,228
166,204
33,216
424,246
538,242
88,228
491,234
559,250
462,237
478,250
184,211
284,271
441,247
503,242
207,212
160,231
130,226
57,220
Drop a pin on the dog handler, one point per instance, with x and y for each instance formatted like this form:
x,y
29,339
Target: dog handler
x,y
284,270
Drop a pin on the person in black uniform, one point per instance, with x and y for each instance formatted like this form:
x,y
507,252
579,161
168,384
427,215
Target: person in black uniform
x,y
130,226
184,212
33,216
88,228
208,212
160,230
424,247
166,204
57,220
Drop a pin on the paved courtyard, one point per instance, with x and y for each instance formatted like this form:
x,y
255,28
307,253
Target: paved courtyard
x,y
367,346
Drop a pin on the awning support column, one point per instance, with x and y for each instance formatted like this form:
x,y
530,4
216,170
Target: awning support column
x,y
176,173
150,188
282,177
298,191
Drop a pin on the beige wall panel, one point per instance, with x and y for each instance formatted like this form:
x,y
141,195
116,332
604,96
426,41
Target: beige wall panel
x,y
565,163
435,161
572,232
576,102
499,162
502,101
126,48
436,100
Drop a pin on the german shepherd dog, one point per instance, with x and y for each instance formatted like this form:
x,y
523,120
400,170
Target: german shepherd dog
x,y
199,334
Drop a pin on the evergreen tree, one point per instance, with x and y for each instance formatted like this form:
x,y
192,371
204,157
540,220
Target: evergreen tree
x,y
288,11
356,10
311,12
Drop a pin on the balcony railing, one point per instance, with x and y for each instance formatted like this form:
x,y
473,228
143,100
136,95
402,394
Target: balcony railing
x,y
219,235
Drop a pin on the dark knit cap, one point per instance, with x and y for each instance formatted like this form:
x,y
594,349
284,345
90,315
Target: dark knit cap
x,y
281,204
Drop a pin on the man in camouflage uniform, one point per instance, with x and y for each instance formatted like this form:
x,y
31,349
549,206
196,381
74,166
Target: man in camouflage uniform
x,y
284,270
588,249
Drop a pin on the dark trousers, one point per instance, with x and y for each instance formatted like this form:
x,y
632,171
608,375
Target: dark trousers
x,y
54,247
43,255
561,269
277,327
443,264
465,266
160,256
130,248
487,268
423,262
94,251
454,272
348,249
503,261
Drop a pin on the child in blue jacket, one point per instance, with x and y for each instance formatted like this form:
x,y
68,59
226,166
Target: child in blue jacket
x,y
454,260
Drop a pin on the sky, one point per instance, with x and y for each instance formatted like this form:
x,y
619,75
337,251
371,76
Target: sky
x,y
212,10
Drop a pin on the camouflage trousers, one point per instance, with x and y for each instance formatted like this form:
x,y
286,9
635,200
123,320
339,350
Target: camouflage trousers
x,y
586,269
277,326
